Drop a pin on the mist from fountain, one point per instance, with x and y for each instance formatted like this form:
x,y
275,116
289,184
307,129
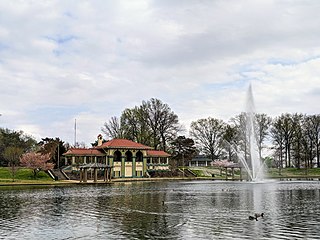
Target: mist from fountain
x,y
255,169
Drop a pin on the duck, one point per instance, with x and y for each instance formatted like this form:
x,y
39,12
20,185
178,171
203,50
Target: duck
x,y
257,215
253,218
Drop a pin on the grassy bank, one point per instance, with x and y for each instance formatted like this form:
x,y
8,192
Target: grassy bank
x,y
293,172
271,173
23,175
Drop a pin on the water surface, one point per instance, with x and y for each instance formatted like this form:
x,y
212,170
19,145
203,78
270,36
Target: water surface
x,y
162,210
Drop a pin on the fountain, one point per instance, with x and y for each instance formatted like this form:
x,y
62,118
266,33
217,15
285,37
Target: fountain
x,y
253,163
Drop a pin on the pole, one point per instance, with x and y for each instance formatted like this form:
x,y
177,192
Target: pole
x,y
183,163
75,132
58,156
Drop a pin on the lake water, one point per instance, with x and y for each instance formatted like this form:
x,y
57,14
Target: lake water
x,y
162,210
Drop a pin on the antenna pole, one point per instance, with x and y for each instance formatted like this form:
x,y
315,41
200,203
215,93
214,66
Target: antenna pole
x,y
75,132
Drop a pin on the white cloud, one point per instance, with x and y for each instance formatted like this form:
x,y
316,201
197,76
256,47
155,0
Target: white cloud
x,y
90,60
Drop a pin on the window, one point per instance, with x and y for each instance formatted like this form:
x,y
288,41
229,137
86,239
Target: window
x,y
117,156
139,157
128,156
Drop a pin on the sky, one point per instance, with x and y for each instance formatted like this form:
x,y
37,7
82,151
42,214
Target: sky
x,y
86,61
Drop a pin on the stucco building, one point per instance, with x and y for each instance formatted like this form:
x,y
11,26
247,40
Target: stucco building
x,y
126,158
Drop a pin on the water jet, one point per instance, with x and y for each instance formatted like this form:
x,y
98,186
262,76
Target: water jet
x,y
251,159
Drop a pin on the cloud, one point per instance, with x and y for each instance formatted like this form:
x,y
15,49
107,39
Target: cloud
x,y
89,60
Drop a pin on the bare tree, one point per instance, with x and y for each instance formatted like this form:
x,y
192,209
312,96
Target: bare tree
x,y
240,122
313,126
113,128
163,122
230,142
12,155
263,123
285,127
278,140
208,134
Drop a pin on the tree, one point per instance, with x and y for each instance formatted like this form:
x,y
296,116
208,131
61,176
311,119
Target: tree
x,y
262,125
135,125
312,124
12,138
183,150
153,123
12,155
299,138
36,162
113,128
278,140
230,142
208,134
286,125
162,121
55,148
240,123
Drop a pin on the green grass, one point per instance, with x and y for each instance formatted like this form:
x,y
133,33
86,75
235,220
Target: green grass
x,y
271,173
22,174
293,172
199,173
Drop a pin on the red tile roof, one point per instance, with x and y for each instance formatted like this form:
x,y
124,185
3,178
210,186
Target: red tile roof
x,y
123,143
84,151
157,153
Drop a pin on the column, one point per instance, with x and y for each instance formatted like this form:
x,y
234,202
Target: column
x,y
95,175
85,175
111,165
144,166
133,166
226,173
108,171
81,175
123,166
232,173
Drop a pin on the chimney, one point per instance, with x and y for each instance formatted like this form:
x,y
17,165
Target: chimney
x,y
100,140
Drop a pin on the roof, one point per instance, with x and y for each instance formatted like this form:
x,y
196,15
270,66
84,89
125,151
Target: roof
x,y
84,151
201,158
123,143
95,165
157,153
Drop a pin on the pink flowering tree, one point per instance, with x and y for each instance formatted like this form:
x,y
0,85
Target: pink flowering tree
x,y
222,163
36,162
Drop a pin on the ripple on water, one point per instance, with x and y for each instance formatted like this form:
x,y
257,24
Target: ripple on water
x,y
167,210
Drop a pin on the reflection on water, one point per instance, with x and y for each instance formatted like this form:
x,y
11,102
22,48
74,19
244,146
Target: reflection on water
x,y
162,210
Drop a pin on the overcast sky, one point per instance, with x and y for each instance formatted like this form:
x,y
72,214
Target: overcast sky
x,y
89,60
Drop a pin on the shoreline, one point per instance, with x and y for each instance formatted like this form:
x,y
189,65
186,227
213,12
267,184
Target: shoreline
x,y
122,180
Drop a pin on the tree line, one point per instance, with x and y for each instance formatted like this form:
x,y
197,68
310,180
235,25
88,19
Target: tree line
x,y
291,139
19,149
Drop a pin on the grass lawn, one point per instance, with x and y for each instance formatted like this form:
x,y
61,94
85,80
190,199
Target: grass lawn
x,y
294,172
23,175
271,173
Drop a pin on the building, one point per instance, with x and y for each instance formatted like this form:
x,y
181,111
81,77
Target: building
x,y
127,159
200,161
